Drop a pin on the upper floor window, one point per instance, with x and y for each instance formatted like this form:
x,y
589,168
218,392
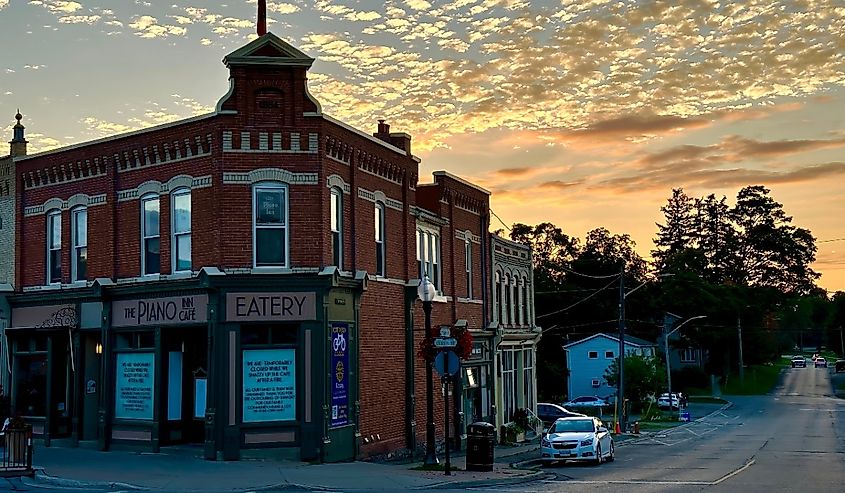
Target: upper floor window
x,y
428,256
181,228
498,286
688,355
79,240
593,354
526,302
508,300
336,203
379,236
150,235
270,225
54,247
608,355
468,255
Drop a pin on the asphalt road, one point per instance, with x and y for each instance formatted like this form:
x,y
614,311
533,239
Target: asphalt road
x,y
792,440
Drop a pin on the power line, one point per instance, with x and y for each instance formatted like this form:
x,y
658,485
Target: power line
x,y
557,327
588,275
577,302
828,241
500,220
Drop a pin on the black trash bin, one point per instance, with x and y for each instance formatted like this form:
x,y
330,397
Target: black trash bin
x,y
481,439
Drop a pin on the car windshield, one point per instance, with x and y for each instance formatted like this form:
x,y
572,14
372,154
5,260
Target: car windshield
x,y
585,399
573,425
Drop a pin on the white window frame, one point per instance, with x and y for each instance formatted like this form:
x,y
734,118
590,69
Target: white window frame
x,y
528,378
509,395
595,383
428,253
76,244
526,312
611,353
54,218
468,259
284,225
508,300
497,294
591,353
379,231
149,235
336,225
685,355
175,235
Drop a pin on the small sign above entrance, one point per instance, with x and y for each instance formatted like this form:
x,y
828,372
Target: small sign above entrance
x,y
445,342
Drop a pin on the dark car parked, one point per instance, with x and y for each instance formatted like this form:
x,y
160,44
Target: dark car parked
x,y
549,413
839,365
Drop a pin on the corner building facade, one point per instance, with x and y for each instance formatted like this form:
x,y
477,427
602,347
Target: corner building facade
x,y
243,280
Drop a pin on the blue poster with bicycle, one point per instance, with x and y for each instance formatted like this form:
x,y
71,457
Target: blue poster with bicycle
x,y
340,375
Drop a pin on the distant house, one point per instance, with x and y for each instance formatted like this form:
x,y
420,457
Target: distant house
x,y
588,359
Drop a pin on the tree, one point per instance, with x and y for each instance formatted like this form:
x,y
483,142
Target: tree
x,y
644,375
678,234
552,251
716,238
771,251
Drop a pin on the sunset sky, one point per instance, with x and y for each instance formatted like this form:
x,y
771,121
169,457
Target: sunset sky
x,y
584,113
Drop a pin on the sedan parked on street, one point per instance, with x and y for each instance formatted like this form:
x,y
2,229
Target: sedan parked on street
x,y
549,413
577,439
820,362
839,366
586,401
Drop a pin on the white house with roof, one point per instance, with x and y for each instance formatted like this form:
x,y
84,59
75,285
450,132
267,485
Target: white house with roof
x,y
588,359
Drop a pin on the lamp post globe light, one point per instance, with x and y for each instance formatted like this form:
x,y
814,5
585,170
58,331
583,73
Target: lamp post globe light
x,y
426,292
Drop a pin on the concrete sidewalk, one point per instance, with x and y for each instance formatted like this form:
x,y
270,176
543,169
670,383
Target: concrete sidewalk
x,y
175,471
183,469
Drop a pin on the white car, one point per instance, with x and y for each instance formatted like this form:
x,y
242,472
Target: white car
x,y
585,401
663,401
820,362
578,439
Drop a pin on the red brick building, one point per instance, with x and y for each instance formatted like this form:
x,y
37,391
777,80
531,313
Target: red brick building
x,y
243,279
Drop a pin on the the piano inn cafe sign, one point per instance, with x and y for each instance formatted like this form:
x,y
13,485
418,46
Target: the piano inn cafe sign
x,y
173,310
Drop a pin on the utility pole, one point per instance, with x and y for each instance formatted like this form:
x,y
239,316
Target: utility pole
x,y
620,387
741,365
841,344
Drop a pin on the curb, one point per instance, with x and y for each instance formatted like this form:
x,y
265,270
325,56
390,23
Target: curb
x,y
42,477
527,478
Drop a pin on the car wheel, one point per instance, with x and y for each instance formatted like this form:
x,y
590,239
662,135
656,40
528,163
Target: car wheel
x,y
598,455
612,455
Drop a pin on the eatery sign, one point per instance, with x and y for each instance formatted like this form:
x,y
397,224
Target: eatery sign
x,y
270,307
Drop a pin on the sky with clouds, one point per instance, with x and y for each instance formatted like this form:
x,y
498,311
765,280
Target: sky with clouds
x,y
585,113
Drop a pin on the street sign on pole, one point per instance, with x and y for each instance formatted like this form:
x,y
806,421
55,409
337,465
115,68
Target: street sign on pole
x,y
446,363
444,342
445,331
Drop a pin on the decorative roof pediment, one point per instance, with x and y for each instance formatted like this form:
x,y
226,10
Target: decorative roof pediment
x,y
268,49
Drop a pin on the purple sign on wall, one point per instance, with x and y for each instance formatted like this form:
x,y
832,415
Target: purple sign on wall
x,y
340,373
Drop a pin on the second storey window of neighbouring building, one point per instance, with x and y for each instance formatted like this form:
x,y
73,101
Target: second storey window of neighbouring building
x,y
428,255
79,240
379,235
181,227
336,205
150,235
270,225
54,247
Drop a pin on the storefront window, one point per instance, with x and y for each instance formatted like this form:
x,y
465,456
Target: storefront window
x,y
31,384
252,335
135,340
269,385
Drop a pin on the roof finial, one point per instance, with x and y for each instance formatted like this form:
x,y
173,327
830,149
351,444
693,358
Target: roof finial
x,y
18,116
262,17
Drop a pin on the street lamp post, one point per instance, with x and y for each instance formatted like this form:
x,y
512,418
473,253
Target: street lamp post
x,y
426,293
620,386
668,360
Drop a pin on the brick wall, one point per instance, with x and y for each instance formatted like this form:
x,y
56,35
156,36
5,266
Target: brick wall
x,y
7,221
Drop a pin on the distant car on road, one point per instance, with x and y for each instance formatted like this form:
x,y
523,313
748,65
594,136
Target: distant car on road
x,y
820,362
579,439
586,401
799,361
549,413
663,402
839,365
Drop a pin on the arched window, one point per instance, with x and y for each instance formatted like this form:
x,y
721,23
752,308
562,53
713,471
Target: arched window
x,y
79,242
150,235
336,205
526,301
54,247
270,238
380,240
468,255
180,242
508,299
498,303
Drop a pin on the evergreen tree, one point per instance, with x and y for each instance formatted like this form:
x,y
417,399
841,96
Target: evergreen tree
x,y
678,233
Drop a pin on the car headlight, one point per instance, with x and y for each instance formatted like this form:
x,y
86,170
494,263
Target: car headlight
x,y
586,442
545,443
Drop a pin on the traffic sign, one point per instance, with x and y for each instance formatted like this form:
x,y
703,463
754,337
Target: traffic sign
x,y
445,342
447,363
445,331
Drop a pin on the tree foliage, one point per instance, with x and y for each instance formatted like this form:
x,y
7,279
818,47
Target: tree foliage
x,y
644,375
